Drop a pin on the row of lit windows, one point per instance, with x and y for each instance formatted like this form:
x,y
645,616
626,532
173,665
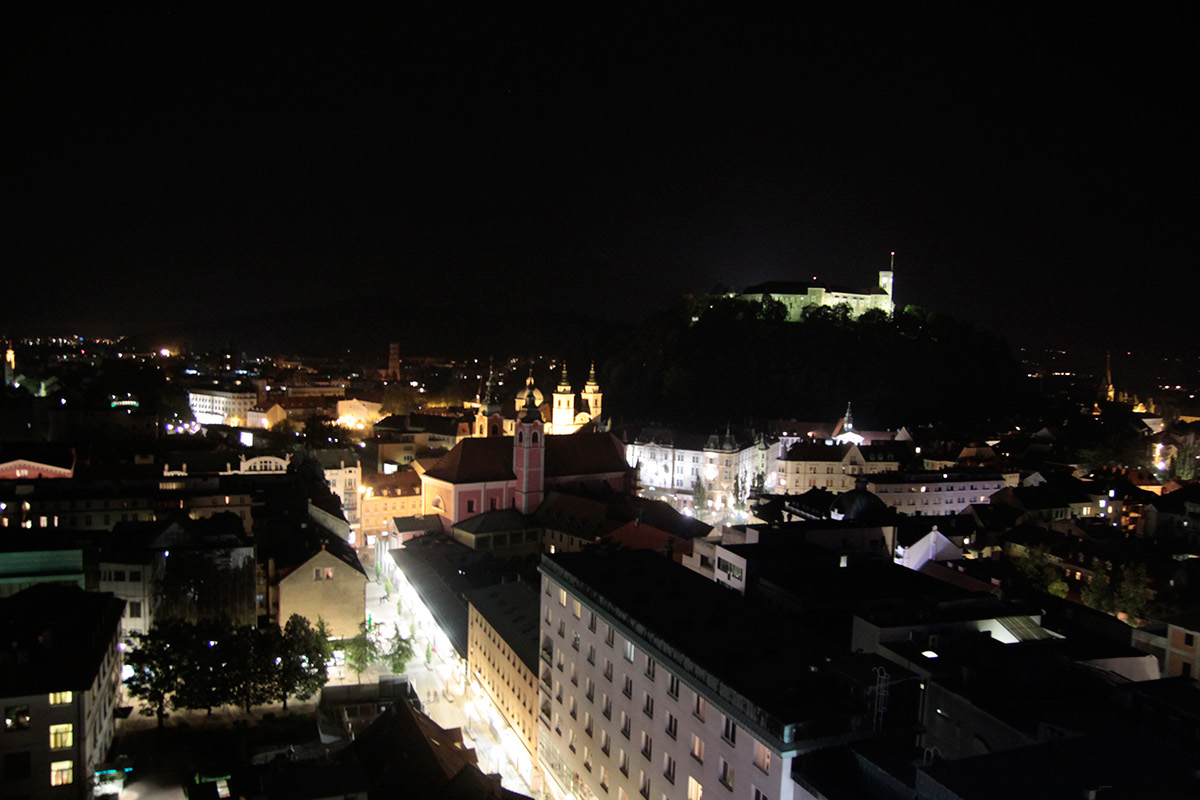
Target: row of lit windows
x,y
762,755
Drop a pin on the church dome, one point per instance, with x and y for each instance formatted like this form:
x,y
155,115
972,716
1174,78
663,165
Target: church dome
x,y
524,393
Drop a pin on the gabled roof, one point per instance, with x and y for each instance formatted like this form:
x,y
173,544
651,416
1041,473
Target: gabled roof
x,y
421,522
817,451
476,460
296,550
506,519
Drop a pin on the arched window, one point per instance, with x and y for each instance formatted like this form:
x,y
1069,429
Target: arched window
x,y
494,430
437,503
521,437
535,437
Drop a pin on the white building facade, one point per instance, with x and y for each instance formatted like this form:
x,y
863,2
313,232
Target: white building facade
x,y
624,715
216,407
671,465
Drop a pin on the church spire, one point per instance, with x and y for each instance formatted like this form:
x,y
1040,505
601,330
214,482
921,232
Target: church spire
x,y
564,383
530,412
849,424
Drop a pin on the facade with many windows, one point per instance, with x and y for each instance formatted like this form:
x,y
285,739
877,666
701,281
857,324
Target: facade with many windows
x,y
626,712
670,464
935,493
59,693
502,631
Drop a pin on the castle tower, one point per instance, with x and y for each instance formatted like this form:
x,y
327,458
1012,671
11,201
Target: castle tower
x,y
529,458
591,394
393,361
562,418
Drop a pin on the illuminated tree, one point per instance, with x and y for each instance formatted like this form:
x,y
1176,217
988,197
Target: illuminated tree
x,y
1133,592
699,495
303,657
155,662
398,653
362,650
1098,593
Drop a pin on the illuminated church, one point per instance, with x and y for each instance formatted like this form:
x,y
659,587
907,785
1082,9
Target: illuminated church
x,y
562,414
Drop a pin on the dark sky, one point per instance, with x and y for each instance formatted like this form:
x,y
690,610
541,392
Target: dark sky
x,y
1033,171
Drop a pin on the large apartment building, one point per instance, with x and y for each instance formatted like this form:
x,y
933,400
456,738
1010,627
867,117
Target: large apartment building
x,y
642,695
58,690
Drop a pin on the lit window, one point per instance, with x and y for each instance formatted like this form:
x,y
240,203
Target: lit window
x,y
562,597
630,651
60,698
62,773
697,748
762,757
695,790
61,736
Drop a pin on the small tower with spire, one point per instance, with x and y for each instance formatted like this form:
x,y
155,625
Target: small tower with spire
x,y
591,394
529,457
562,418
487,420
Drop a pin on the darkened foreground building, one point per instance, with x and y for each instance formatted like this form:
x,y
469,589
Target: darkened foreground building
x,y
60,670
832,682
402,753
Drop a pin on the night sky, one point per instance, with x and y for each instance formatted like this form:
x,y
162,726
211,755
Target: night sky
x,y
1032,171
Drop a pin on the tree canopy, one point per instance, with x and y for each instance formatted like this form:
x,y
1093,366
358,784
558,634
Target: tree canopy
x,y
204,665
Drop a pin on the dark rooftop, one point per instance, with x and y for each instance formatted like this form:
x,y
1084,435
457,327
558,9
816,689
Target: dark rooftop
x,y
54,638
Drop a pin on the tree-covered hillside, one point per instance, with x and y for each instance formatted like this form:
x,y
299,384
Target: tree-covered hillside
x,y
711,360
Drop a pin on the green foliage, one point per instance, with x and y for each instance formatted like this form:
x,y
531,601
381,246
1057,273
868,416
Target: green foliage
x,y
361,650
1098,593
303,659
397,653
1038,570
1058,588
210,664
699,495
710,359
1133,592
155,661
202,663
1187,461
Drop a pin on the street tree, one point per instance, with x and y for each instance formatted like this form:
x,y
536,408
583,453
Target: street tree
x,y
699,496
1098,593
155,664
1133,592
303,659
361,650
398,652
202,673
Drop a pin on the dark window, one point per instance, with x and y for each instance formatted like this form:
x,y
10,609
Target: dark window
x,y
17,766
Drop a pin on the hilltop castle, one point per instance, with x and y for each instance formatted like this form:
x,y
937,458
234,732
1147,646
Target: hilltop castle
x,y
799,295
